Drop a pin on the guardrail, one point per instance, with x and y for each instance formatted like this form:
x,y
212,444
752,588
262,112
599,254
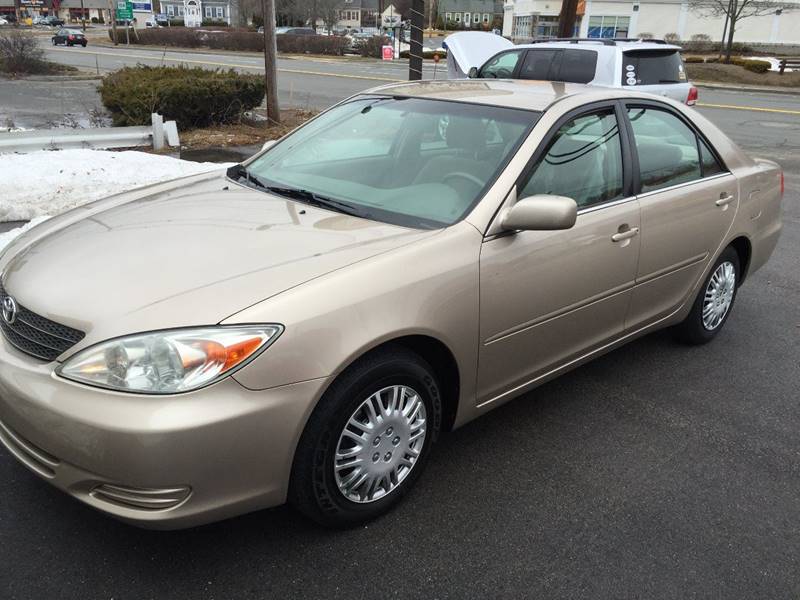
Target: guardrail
x,y
156,135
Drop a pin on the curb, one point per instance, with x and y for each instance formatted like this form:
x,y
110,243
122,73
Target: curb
x,y
61,78
733,87
179,50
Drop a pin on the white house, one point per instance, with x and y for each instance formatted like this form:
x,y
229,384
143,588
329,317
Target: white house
x,y
527,19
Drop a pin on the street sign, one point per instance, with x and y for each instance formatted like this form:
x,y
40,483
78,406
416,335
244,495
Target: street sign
x,y
124,10
387,52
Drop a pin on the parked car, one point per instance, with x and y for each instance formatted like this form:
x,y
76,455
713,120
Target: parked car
x,y
3,21
52,21
38,20
651,66
10,17
69,37
291,31
303,325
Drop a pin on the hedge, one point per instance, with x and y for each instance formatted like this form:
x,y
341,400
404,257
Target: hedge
x,y
184,37
194,97
756,66
693,59
372,47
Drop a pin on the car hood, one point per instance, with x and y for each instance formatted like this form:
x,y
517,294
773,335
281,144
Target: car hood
x,y
190,254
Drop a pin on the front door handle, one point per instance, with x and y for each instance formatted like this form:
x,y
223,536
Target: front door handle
x,y
724,199
625,235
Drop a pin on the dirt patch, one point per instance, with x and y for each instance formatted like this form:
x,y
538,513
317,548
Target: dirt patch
x,y
245,133
721,73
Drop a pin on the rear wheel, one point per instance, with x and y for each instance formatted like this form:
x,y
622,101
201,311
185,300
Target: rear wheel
x,y
55,43
714,301
368,439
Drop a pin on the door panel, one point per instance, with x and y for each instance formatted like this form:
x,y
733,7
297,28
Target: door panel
x,y
682,229
547,296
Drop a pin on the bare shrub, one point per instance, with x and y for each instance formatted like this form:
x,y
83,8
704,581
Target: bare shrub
x,y
20,53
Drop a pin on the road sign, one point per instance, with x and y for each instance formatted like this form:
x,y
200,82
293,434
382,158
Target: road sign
x,y
124,10
387,52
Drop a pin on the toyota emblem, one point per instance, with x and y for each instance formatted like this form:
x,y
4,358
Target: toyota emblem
x,y
9,310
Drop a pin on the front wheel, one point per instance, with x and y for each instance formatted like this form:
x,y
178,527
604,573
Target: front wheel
x,y
368,439
714,301
55,43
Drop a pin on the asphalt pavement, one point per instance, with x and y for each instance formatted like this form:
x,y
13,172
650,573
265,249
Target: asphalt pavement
x,y
657,471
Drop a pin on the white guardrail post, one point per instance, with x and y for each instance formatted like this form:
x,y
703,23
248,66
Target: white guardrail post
x,y
156,135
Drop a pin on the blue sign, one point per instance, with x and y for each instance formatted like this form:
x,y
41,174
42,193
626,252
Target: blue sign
x,y
145,6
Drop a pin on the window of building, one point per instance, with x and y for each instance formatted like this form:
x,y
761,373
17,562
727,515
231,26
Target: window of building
x,y
180,10
583,162
608,27
522,27
170,10
485,17
448,16
666,146
220,12
476,18
458,17
209,12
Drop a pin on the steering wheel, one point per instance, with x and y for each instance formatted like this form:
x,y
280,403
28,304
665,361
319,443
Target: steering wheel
x,y
502,73
467,176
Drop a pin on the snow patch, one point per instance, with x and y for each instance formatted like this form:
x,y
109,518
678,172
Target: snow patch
x,y
8,236
50,182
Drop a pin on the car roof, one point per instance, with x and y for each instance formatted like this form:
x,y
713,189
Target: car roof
x,y
525,94
603,45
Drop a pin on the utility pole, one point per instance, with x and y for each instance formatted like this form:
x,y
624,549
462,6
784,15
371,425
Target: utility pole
x,y
566,20
270,61
415,52
83,17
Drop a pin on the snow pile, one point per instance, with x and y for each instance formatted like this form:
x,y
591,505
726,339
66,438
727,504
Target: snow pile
x,y
50,182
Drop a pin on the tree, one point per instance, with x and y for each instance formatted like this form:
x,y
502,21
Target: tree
x,y
328,11
734,11
566,18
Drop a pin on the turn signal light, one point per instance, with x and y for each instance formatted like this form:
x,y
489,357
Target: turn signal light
x,y
691,100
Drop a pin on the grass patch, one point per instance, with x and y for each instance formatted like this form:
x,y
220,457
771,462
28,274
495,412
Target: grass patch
x,y
722,73
243,134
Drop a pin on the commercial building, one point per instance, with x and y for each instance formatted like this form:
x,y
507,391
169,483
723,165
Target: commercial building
x,y
524,20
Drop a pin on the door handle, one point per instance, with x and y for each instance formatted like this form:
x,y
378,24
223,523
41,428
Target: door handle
x,y
625,235
724,199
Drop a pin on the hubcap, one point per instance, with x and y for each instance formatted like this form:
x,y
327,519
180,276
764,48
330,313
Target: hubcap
x,y
380,444
719,295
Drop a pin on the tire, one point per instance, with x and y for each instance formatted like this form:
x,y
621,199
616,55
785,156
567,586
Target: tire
x,y
694,330
315,487
83,44
55,43
69,44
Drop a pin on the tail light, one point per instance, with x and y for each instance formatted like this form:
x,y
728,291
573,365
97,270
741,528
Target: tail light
x,y
782,184
691,100
70,37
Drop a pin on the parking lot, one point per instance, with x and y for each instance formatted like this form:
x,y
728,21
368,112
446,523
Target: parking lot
x,y
657,471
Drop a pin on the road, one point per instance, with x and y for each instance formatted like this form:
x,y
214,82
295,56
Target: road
x,y
657,471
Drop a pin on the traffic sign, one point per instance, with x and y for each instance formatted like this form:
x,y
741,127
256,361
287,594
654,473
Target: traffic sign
x,y
124,10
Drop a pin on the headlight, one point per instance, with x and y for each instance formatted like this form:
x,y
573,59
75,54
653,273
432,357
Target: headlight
x,y
168,362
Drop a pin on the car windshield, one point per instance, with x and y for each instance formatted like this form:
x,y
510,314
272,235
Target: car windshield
x,y
409,161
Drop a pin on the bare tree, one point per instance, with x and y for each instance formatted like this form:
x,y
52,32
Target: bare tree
x,y
328,11
734,11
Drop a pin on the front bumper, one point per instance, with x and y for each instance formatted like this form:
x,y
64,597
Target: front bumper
x,y
205,456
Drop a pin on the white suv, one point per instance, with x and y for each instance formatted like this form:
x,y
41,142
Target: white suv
x,y
645,65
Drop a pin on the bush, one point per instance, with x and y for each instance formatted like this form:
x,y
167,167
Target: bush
x,y
194,97
372,47
756,66
214,23
20,53
672,38
238,39
712,59
176,22
701,37
693,59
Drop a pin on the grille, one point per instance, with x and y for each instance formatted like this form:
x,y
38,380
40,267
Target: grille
x,y
141,498
36,335
34,458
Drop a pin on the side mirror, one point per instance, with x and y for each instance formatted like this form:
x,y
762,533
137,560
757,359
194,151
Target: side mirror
x,y
269,144
473,73
542,212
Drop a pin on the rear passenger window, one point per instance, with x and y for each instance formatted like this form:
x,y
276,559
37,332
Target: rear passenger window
x,y
666,146
652,67
583,162
577,66
710,163
501,66
537,64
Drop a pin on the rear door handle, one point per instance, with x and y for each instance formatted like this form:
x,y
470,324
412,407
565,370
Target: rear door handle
x,y
624,235
724,199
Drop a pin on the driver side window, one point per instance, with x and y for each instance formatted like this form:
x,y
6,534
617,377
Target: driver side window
x,y
501,66
583,161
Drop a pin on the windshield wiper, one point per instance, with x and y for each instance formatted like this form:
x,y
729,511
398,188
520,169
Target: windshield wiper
x,y
315,199
242,175
668,81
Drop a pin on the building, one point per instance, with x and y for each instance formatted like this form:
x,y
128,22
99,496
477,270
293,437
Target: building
x,y
524,20
470,14
211,11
